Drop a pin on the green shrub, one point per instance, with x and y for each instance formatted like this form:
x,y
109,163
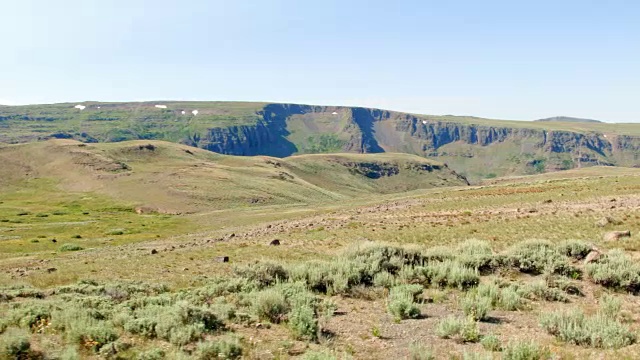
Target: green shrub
x,y
451,274
615,270
180,323
70,353
475,306
153,354
15,344
490,291
491,343
227,348
470,331
401,302
438,253
598,331
384,279
463,330
536,257
576,249
318,355
538,290
303,321
478,255
448,327
70,247
476,356
335,277
183,335
264,273
270,304
510,299
525,351
610,306
420,352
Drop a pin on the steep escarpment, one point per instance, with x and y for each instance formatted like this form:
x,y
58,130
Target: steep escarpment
x,y
474,146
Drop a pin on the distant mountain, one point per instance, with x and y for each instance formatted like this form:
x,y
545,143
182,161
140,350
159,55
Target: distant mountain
x,y
569,119
475,147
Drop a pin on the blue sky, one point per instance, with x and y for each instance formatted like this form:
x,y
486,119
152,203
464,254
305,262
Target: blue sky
x,y
500,59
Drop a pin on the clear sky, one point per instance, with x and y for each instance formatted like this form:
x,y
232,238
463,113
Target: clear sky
x,y
501,59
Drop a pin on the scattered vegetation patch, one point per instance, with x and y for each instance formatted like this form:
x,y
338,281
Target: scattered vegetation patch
x,y
526,350
616,270
401,302
599,331
459,329
70,247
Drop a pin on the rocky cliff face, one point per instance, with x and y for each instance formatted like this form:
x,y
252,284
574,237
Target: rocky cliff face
x,y
373,131
477,147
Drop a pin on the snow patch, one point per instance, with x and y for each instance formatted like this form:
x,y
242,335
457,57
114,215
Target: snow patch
x,y
161,106
334,113
194,112
81,107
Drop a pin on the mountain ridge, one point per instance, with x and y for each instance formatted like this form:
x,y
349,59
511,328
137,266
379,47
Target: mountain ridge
x,y
474,146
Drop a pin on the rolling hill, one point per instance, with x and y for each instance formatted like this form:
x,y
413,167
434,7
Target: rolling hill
x,y
475,147
165,177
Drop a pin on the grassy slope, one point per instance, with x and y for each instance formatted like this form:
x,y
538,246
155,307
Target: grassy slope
x,y
123,121
62,189
502,213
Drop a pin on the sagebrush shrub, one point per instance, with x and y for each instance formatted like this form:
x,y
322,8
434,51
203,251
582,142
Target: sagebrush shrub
x,y
598,331
226,348
526,350
153,354
510,299
610,306
384,279
537,256
463,330
420,352
491,343
270,304
476,306
70,247
318,355
448,327
15,344
538,290
401,302
263,273
303,321
451,274
615,270
576,249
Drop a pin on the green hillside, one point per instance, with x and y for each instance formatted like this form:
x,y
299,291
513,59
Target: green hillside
x,y
479,148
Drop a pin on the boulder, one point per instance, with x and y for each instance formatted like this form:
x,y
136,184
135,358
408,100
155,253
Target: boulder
x,y
607,220
616,235
592,256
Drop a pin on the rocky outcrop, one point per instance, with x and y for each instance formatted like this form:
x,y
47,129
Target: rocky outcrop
x,y
282,130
